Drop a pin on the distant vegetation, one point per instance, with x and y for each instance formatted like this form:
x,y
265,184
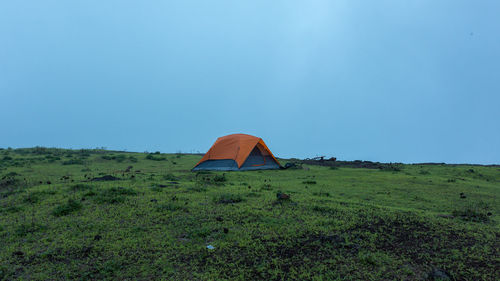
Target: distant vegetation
x,y
96,214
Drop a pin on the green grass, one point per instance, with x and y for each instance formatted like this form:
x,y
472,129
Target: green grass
x,y
155,218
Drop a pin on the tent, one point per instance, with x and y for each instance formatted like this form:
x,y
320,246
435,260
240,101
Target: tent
x,y
238,152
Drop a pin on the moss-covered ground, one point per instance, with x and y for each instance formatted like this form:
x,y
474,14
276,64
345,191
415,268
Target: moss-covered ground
x,y
96,214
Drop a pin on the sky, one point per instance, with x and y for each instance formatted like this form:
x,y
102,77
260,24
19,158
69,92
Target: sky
x,y
390,81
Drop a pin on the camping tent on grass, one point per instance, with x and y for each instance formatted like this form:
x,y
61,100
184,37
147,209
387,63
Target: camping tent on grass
x,y
238,152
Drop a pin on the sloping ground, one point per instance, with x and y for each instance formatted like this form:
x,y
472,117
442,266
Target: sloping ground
x,y
147,217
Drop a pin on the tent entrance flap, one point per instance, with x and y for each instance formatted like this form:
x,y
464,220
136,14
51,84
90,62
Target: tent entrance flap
x,y
255,158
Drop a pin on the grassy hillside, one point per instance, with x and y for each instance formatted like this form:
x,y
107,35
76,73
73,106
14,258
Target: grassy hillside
x,y
95,214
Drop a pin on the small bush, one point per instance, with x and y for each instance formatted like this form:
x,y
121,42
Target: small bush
x,y
374,259
228,198
322,194
309,182
9,179
114,195
326,210
170,207
220,178
32,198
73,162
208,179
81,186
90,194
155,158
476,212
170,177
391,167
24,229
267,186
67,208
120,158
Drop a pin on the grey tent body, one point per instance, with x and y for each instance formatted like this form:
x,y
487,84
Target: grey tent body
x,y
255,161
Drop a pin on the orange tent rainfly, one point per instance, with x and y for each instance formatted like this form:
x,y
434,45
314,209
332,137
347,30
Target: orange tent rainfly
x,y
238,152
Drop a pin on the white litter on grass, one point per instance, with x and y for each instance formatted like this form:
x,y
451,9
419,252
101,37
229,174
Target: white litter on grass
x,y
210,247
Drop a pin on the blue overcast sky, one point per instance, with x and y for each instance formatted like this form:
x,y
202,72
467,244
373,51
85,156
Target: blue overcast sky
x,y
393,81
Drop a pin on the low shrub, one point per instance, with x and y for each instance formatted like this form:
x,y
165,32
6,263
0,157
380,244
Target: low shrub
x,y
73,162
227,198
220,178
32,198
114,195
81,186
309,182
391,167
322,194
67,208
476,212
170,177
169,207
155,158
24,229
